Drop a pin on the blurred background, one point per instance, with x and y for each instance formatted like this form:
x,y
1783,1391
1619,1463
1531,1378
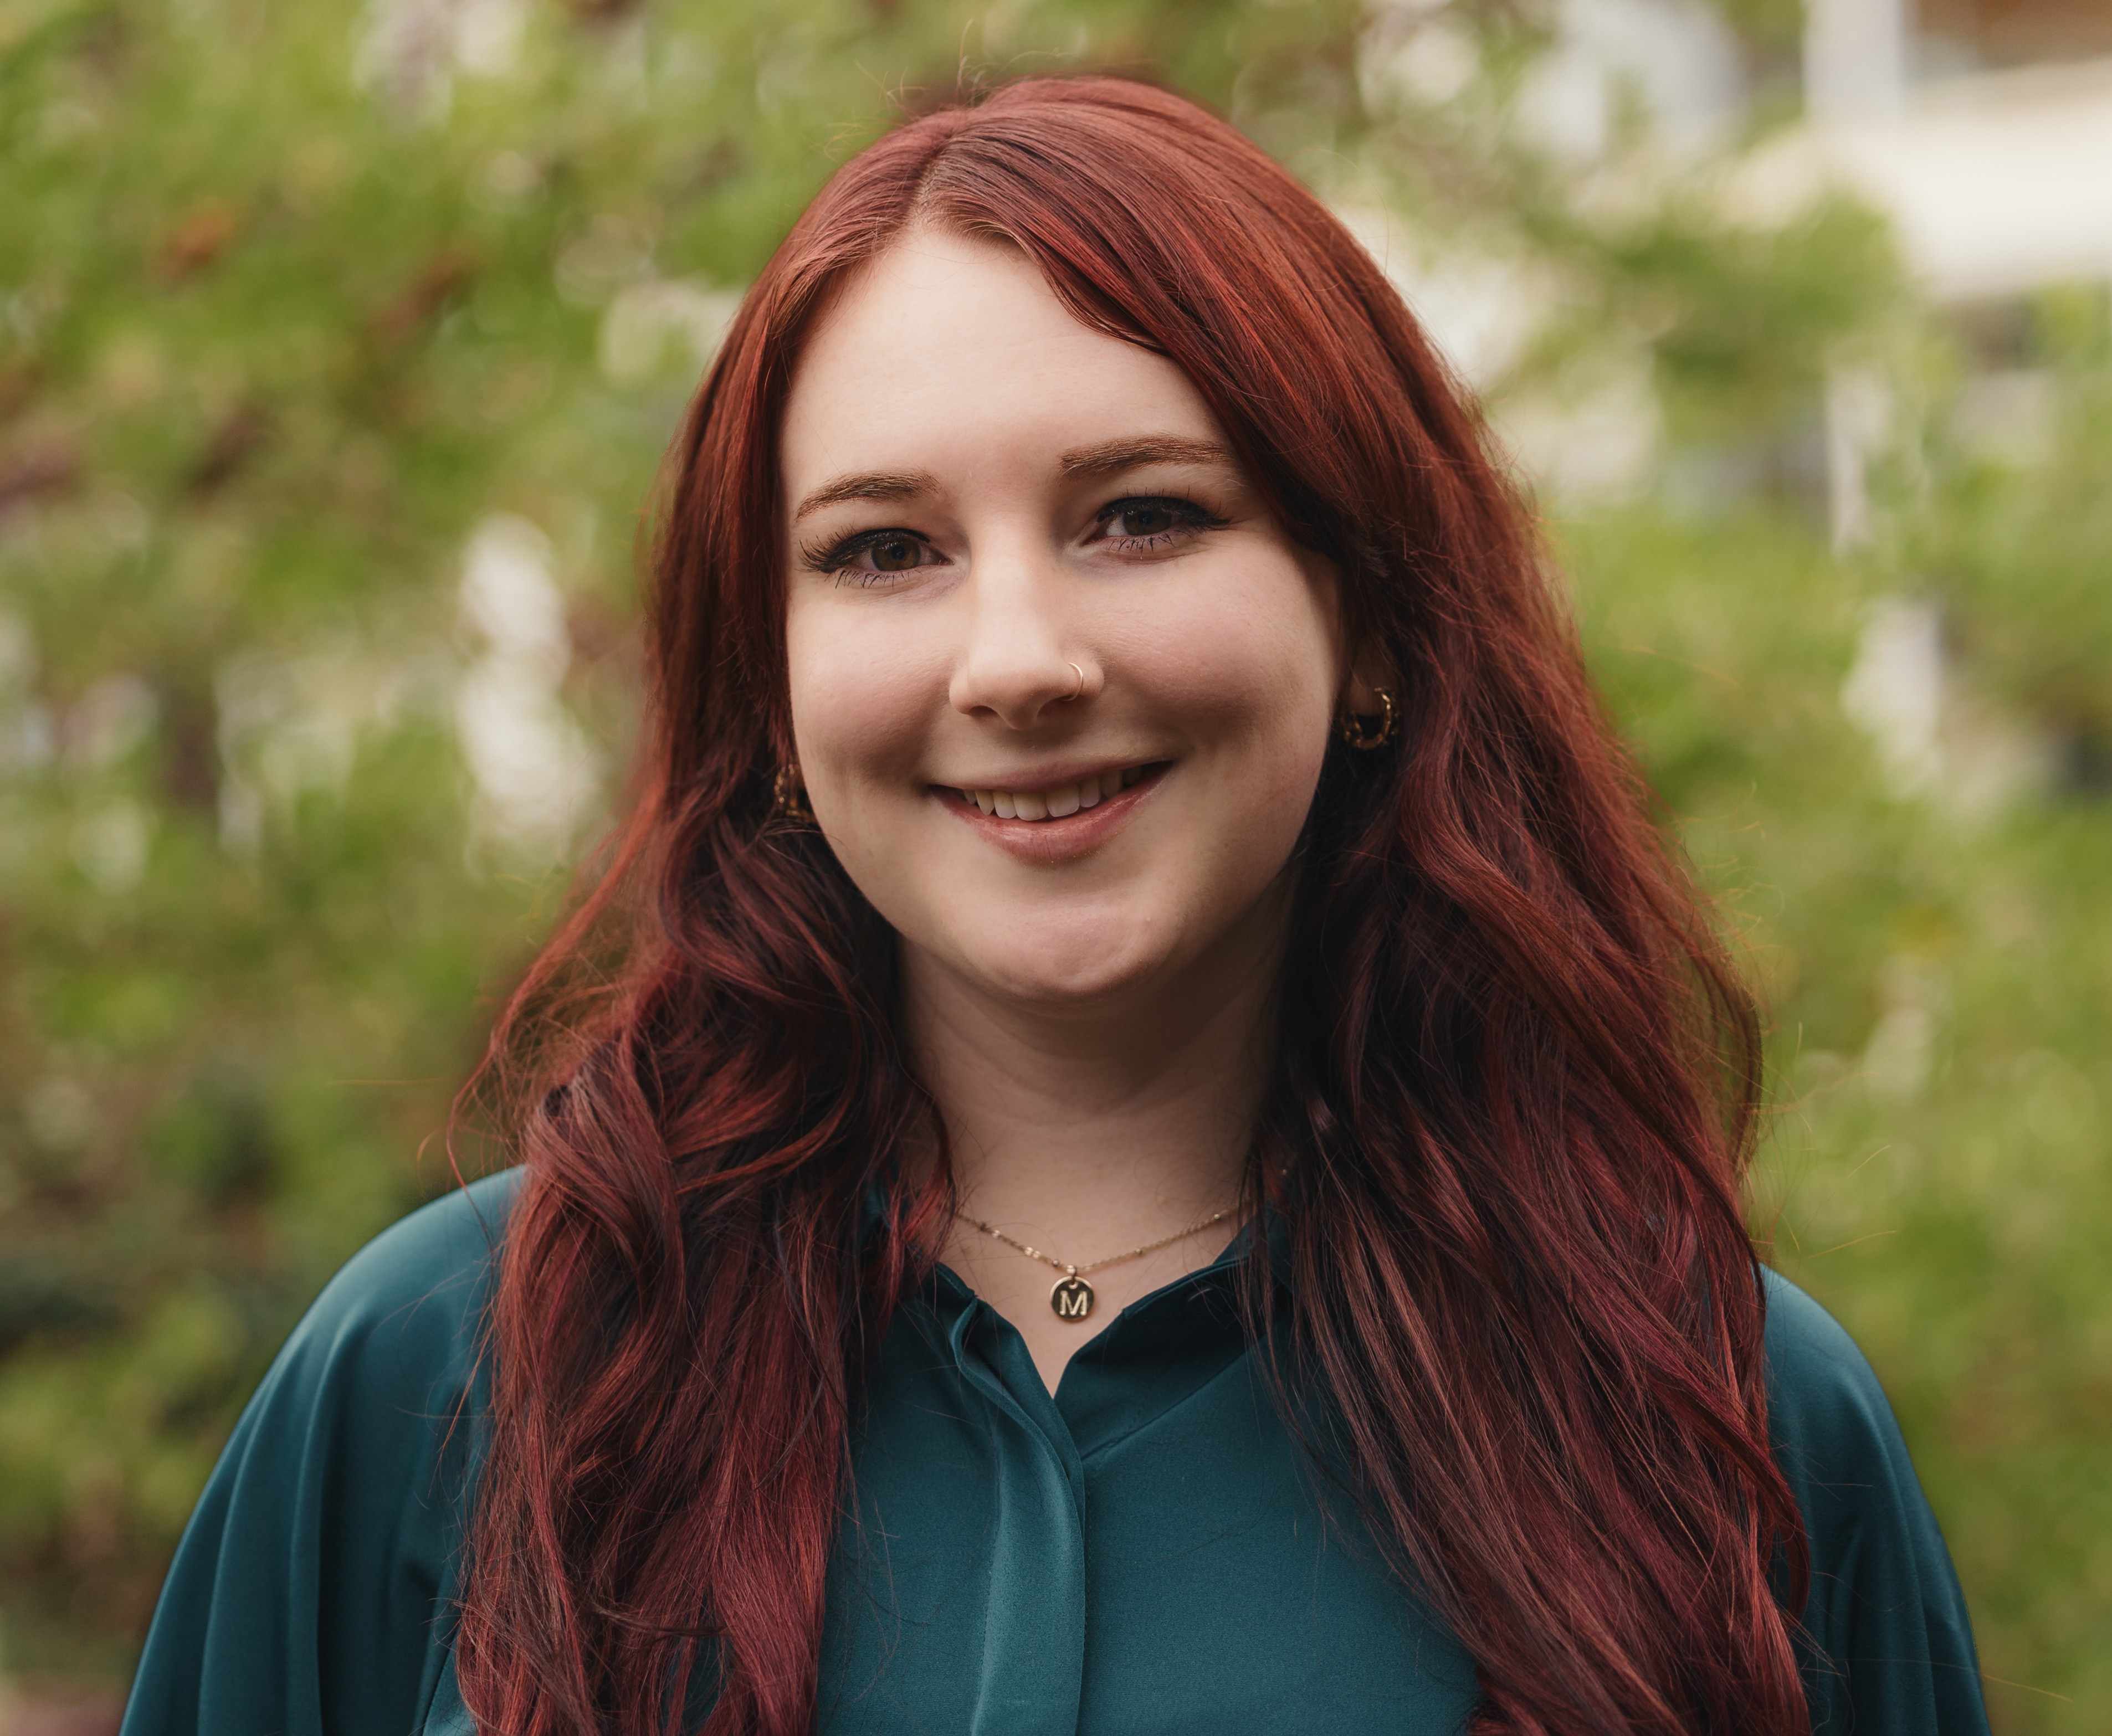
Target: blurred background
x,y
339,345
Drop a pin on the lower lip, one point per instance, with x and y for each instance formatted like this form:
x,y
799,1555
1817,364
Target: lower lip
x,y
1050,841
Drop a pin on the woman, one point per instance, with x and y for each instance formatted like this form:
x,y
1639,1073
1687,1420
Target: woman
x,y
1118,779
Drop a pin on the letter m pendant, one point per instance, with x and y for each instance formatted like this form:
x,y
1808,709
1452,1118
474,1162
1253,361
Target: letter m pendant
x,y
1072,1298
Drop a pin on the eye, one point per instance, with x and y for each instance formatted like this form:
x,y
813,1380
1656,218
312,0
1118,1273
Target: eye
x,y
892,552
1156,520
1149,523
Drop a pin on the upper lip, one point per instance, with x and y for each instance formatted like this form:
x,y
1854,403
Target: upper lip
x,y
1043,778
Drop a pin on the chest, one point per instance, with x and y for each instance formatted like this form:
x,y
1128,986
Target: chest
x,y
1125,1560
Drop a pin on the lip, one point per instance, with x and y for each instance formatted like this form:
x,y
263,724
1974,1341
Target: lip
x,y
1052,776
1046,842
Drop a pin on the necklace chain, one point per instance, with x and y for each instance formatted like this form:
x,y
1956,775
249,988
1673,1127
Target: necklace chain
x,y
1070,1270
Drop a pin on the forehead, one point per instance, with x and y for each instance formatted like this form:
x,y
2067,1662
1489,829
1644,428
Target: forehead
x,y
953,354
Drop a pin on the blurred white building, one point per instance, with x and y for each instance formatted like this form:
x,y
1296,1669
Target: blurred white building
x,y
1981,129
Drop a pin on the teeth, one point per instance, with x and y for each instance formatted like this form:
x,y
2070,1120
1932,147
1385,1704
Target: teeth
x,y
1054,804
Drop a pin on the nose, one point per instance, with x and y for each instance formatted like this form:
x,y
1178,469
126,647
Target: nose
x,y
1019,664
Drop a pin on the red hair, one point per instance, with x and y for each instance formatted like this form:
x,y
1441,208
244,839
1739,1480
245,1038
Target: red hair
x,y
1511,1114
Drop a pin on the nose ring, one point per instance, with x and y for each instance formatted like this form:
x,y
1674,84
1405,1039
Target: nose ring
x,y
1081,683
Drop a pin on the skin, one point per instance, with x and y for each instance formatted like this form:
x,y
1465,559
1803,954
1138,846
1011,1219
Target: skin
x,y
1096,1030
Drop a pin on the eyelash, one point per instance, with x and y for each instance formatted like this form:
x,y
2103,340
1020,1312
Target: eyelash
x,y
833,560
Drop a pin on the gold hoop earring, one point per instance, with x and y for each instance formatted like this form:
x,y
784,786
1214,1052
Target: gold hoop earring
x,y
788,797
1353,730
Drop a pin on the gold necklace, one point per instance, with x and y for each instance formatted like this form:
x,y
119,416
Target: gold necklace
x,y
1071,1297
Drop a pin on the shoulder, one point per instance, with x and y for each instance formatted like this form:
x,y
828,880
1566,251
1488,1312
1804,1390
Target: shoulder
x,y
1821,1387
307,1593
373,1379
393,1338
431,1260
405,1311
1833,1430
1891,1643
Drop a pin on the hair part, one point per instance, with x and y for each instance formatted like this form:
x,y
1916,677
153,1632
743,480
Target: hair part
x,y
1508,1127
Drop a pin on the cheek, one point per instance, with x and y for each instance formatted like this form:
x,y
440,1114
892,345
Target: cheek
x,y
862,700
1249,668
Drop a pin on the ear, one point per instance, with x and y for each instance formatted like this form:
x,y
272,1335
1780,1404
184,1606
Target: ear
x,y
1370,665
1370,668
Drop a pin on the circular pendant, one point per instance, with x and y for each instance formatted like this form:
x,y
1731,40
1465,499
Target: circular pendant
x,y
1072,1298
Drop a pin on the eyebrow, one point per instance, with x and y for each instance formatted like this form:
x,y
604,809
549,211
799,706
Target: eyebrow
x,y
1106,459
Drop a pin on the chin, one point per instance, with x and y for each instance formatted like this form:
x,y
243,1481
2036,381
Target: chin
x,y
1061,964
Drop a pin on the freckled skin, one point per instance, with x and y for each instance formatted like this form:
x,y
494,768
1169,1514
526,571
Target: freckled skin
x,y
1216,648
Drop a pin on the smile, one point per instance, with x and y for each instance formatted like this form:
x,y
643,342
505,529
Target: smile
x,y
1060,821
1057,803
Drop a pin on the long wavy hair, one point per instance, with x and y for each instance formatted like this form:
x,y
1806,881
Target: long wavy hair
x,y
1508,1125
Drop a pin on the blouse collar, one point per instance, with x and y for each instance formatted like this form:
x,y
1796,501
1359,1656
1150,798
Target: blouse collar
x,y
1151,1356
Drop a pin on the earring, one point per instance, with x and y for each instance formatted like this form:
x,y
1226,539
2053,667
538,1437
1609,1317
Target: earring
x,y
789,797
1353,730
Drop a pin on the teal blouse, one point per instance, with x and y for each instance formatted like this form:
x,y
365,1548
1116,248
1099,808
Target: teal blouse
x,y
1138,1552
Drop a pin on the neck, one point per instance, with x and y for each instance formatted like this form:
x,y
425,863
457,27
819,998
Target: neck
x,y
1088,1130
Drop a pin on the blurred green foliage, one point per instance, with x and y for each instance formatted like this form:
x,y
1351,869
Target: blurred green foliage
x,y
297,303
